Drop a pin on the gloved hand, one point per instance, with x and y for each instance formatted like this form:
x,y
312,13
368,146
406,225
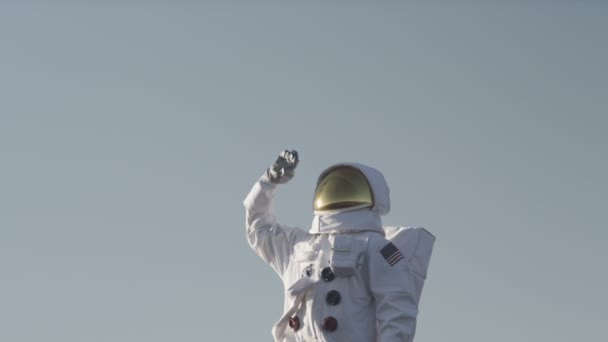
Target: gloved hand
x,y
282,170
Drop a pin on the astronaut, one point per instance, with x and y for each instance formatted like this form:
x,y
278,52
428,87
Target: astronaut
x,y
344,280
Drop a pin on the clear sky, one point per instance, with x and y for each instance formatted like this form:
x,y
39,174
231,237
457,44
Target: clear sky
x,y
130,134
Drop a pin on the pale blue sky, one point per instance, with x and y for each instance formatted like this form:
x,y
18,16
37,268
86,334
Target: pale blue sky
x,y
130,134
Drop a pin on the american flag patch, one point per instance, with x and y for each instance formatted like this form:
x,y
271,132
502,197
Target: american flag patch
x,y
391,254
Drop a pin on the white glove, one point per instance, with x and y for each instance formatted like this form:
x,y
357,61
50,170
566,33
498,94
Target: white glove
x,y
282,170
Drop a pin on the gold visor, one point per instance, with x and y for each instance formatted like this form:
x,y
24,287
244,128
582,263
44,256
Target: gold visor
x,y
341,188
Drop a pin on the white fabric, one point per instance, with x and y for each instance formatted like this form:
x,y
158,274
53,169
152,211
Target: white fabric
x,y
297,294
378,301
347,221
417,246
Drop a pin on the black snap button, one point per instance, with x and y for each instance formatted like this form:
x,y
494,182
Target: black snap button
x,y
307,271
330,324
294,323
333,297
327,274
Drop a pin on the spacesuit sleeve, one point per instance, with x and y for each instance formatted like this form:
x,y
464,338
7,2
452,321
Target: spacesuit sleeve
x,y
273,242
392,286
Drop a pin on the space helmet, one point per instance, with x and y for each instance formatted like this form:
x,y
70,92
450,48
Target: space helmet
x,y
342,188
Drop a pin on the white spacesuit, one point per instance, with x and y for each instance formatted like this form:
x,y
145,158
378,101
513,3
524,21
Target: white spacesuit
x,y
344,281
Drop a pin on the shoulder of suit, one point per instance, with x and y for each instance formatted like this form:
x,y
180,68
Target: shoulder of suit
x,y
375,242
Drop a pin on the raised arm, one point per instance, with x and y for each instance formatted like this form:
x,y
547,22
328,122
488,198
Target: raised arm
x,y
272,241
